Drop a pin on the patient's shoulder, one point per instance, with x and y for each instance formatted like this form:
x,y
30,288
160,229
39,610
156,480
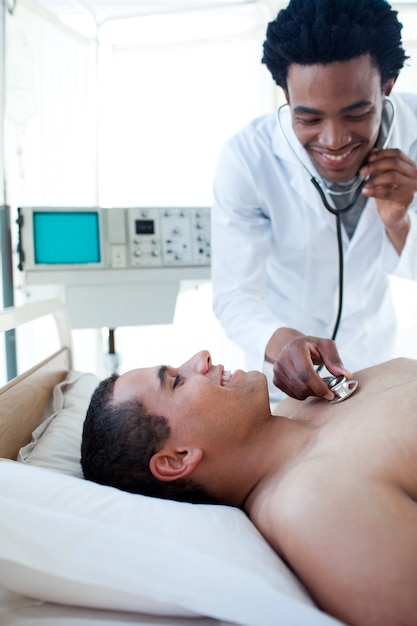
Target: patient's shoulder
x,y
388,376
399,364
286,505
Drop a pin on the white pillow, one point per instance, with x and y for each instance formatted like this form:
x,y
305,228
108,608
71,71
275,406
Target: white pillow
x,y
56,442
70,541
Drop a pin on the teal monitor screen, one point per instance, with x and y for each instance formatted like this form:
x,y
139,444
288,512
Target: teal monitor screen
x,y
66,237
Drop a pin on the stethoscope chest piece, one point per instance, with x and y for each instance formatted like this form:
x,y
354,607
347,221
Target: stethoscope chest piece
x,y
341,387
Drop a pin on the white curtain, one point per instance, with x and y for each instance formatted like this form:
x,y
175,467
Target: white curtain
x,y
50,112
171,89
170,97
50,129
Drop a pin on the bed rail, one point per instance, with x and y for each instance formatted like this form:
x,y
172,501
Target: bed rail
x,y
14,316
25,399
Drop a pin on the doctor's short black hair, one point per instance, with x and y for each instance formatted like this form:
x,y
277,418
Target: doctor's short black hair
x,y
315,32
118,441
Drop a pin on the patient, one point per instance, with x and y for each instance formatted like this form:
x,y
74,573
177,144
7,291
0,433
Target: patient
x,y
332,487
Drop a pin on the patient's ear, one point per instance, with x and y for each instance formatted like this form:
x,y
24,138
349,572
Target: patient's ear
x,y
167,466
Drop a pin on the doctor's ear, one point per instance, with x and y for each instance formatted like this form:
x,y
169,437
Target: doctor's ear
x,y
168,466
389,85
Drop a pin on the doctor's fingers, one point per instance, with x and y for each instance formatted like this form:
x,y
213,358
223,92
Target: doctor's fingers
x,y
388,159
392,169
397,191
296,376
324,351
301,388
330,357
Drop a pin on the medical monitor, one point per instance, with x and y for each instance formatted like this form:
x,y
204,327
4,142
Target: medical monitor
x,y
67,237
64,238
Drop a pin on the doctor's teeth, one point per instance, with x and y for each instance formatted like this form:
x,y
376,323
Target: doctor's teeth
x,y
333,157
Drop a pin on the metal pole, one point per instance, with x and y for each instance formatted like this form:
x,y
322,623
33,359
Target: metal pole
x,y
5,230
7,283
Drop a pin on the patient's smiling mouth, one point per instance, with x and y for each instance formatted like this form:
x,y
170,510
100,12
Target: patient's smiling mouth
x,y
226,376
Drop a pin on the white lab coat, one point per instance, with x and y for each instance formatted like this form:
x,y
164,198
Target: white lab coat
x,y
275,255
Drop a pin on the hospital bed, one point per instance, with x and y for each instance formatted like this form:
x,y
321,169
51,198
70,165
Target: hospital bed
x,y
80,554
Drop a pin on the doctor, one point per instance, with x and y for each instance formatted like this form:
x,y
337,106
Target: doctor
x,y
288,273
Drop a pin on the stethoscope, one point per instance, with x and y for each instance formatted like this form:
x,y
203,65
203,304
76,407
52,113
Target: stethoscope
x,y
341,388
357,186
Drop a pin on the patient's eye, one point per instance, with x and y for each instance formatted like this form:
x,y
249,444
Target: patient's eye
x,y
178,380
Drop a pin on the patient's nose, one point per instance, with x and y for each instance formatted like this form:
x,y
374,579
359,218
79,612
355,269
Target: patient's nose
x,y
199,363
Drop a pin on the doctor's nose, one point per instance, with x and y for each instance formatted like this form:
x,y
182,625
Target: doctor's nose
x,y
200,363
334,135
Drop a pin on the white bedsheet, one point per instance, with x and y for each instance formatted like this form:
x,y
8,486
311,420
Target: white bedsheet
x,y
18,610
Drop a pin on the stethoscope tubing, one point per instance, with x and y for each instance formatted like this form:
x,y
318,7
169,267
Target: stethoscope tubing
x,y
336,212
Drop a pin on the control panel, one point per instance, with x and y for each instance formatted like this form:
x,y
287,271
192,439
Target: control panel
x,y
168,236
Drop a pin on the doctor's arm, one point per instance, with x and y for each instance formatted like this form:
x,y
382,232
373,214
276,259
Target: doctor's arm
x,y
241,241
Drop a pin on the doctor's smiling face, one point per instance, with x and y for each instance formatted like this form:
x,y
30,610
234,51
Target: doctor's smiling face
x,y
336,113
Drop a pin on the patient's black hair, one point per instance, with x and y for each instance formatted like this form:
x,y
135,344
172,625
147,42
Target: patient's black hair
x,y
311,32
118,442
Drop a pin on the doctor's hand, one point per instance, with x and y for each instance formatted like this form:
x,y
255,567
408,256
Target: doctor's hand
x,y
295,356
393,184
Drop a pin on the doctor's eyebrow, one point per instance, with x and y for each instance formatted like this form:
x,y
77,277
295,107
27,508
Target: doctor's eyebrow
x,y
161,373
300,109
